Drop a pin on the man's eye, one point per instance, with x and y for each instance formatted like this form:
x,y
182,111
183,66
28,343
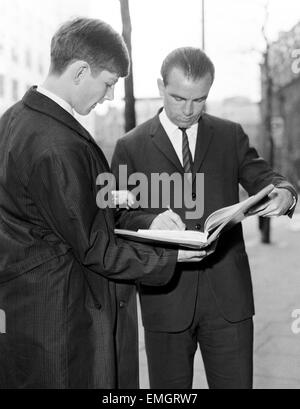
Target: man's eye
x,y
178,99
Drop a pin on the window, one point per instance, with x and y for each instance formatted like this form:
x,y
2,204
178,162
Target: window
x,y
15,90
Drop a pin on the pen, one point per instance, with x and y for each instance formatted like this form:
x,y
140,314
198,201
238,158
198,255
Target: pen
x,y
169,208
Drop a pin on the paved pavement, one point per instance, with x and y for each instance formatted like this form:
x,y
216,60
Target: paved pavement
x,y
276,282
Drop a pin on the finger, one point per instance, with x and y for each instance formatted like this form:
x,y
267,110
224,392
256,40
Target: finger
x,y
173,226
200,254
196,254
268,214
268,210
176,219
193,260
161,224
165,223
258,209
131,197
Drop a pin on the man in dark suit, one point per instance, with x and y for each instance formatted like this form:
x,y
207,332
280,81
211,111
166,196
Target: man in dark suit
x,y
59,258
212,305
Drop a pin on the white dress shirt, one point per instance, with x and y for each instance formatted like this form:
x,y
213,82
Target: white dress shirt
x,y
175,135
61,102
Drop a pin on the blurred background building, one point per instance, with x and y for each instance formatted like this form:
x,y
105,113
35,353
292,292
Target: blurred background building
x,y
284,67
26,29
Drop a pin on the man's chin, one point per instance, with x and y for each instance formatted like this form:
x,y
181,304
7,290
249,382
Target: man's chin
x,y
82,113
187,123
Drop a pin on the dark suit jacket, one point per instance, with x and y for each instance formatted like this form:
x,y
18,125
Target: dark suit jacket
x,y
58,253
224,156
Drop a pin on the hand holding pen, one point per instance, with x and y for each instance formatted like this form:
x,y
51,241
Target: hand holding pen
x,y
168,220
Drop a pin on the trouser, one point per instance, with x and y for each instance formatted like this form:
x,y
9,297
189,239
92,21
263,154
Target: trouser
x,y
226,348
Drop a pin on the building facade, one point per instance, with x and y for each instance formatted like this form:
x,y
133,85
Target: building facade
x,y
26,28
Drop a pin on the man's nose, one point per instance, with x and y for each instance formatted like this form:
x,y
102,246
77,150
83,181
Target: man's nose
x,y
188,108
110,94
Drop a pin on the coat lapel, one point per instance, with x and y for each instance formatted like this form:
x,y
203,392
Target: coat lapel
x,y
39,102
204,138
163,143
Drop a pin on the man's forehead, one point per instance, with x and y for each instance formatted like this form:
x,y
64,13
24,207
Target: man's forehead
x,y
178,76
189,88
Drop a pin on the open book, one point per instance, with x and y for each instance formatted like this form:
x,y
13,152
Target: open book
x,y
215,224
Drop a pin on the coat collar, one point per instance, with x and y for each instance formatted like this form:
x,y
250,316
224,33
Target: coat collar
x,y
204,138
39,102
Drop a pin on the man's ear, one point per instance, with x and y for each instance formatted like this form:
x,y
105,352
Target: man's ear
x,y
161,87
80,70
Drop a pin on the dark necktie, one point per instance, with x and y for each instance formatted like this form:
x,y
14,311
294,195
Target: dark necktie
x,y
187,160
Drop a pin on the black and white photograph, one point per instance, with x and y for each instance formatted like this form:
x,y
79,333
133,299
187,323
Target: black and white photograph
x,y
149,181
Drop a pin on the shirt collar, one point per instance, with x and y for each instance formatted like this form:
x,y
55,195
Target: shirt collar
x,y
170,127
61,102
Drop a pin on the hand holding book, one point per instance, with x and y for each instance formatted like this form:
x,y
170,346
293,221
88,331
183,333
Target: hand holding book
x,y
219,221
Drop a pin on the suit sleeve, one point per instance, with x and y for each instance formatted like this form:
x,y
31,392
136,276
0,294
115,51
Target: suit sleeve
x,y
254,172
132,219
61,187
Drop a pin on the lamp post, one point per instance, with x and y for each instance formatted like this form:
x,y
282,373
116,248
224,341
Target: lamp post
x,y
203,25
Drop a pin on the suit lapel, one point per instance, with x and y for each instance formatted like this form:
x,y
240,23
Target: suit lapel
x,y
204,138
163,143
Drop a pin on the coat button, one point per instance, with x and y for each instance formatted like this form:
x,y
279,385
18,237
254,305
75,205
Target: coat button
x,y
198,226
194,196
122,304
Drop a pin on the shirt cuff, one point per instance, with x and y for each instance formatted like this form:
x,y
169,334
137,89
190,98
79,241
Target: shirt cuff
x,y
293,205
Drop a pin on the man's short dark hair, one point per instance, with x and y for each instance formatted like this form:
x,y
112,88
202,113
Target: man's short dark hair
x,y
90,40
192,61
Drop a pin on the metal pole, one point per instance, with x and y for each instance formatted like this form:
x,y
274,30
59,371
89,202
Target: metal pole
x,y
203,25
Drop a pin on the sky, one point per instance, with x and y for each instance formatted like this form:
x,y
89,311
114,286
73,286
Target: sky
x,y
233,38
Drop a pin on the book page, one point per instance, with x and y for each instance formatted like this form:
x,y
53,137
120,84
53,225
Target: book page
x,y
186,239
220,216
237,212
176,235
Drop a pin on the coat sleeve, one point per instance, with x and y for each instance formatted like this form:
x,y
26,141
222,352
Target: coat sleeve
x,y
254,172
132,219
61,187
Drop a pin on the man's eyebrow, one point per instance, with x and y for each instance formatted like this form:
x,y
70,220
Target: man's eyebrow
x,y
195,99
176,95
201,98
